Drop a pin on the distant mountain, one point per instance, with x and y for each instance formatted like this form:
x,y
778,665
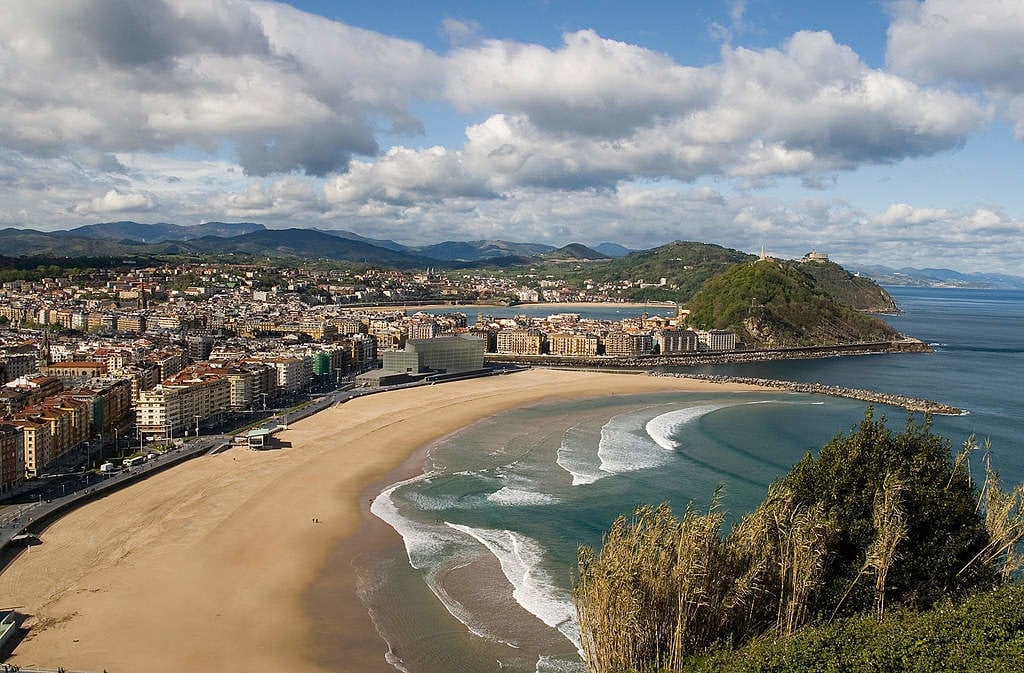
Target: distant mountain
x,y
158,232
471,251
352,236
858,292
28,242
308,243
612,249
769,303
911,277
575,251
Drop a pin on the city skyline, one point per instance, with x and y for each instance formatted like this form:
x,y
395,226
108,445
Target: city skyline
x,y
883,133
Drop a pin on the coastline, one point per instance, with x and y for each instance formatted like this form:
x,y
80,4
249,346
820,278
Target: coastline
x,y
540,304
212,564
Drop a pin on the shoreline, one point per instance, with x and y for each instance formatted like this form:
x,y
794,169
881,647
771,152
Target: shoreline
x,y
539,304
178,558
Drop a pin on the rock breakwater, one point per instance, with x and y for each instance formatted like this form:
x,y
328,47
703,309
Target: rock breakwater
x,y
892,399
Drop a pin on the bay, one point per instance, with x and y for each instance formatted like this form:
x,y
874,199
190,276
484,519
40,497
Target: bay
x,y
491,527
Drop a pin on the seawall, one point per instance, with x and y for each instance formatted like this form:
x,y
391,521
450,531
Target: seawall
x,y
724,357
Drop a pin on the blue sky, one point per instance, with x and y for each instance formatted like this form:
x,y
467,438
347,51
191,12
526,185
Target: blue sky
x,y
881,132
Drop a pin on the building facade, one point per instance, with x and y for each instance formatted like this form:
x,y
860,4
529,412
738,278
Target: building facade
x,y
624,344
675,341
520,341
572,344
12,458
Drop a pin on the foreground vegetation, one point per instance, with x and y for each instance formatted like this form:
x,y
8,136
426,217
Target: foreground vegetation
x,y
984,633
876,521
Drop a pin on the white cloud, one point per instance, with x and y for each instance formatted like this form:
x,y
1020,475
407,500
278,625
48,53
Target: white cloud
x,y
289,90
117,202
284,198
979,42
588,141
403,176
592,85
597,112
902,214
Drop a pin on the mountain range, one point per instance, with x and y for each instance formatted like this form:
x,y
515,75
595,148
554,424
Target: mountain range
x,y
127,238
134,238
911,277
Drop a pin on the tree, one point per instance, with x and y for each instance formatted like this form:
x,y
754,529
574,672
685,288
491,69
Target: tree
x,y
943,530
895,506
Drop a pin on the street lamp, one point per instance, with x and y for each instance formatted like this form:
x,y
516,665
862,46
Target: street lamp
x,y
197,424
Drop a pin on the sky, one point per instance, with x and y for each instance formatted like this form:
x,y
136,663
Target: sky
x,y
880,132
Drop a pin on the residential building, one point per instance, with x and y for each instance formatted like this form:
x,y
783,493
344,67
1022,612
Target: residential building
x,y
168,410
12,457
520,341
38,446
624,344
675,341
572,344
717,340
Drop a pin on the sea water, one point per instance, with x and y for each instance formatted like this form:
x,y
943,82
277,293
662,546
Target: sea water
x,y
490,529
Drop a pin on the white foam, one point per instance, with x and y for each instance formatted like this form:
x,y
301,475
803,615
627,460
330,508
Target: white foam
x,y
520,558
546,664
625,448
578,457
514,497
661,428
432,548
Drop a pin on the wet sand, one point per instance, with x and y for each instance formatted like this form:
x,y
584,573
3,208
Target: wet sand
x,y
209,566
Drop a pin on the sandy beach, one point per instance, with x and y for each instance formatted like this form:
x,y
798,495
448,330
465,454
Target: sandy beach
x,y
207,566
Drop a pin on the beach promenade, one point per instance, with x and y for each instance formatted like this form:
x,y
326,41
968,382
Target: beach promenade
x,y
207,566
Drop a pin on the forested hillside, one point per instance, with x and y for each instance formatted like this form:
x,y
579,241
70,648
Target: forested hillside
x,y
772,304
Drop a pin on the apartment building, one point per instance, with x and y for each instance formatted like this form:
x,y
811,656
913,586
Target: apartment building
x,y
572,344
109,399
624,344
168,410
675,341
520,341
423,329
717,340
38,446
12,457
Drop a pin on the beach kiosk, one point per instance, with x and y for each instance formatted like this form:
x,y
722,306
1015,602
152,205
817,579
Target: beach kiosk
x,y
258,438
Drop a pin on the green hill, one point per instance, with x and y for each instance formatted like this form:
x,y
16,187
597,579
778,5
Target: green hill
x,y
684,265
575,251
771,304
857,292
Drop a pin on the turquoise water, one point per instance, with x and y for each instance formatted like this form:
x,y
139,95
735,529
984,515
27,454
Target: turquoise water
x,y
491,527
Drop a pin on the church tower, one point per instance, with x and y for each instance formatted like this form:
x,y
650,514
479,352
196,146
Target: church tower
x,y
45,358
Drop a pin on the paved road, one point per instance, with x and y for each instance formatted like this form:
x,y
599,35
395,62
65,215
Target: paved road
x,y
21,518
77,488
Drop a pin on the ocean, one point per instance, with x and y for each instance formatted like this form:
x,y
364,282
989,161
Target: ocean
x,y
490,528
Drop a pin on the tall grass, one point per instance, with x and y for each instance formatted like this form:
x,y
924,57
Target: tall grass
x,y
662,588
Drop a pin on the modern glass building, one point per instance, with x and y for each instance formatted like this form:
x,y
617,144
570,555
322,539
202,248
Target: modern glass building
x,y
455,353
